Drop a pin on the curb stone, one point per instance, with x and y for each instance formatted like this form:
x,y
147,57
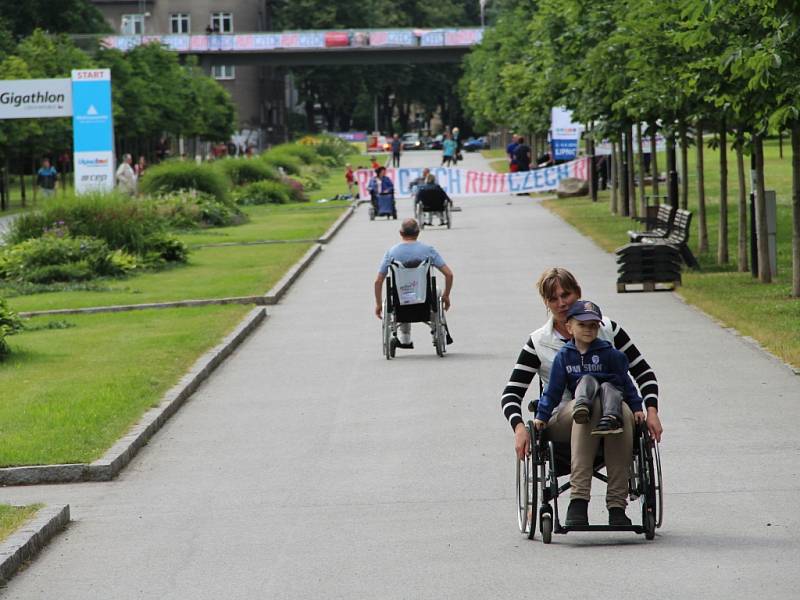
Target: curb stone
x,y
337,224
26,542
122,452
280,288
257,300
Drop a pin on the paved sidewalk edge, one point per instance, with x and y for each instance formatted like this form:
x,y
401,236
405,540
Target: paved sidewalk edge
x,y
279,289
122,452
258,300
28,541
745,338
337,224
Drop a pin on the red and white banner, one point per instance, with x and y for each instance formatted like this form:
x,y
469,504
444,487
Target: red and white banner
x,y
463,182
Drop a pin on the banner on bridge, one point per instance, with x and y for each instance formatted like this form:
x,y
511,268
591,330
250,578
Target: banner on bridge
x,y
465,182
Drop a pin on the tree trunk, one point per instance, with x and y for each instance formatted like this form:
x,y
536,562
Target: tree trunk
x,y
742,266
701,192
22,183
640,148
796,209
654,159
34,187
630,172
684,164
780,144
722,242
614,173
764,274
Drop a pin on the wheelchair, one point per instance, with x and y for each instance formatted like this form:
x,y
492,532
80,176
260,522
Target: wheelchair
x,y
538,488
382,205
410,296
430,201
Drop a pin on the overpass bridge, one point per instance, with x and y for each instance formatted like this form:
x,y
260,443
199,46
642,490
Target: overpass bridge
x,y
313,48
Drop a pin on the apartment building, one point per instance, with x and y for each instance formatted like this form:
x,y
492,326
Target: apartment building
x,y
257,91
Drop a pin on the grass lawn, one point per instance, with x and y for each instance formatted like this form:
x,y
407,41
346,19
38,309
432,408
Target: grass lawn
x,y
270,222
764,312
334,182
69,394
211,273
498,160
13,517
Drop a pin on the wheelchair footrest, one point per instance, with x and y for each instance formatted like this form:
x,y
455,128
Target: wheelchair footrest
x,y
633,528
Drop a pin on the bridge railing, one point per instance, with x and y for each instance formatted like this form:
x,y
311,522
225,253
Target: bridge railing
x,y
297,40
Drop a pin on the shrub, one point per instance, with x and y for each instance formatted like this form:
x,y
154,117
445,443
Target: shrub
x,y
187,210
176,175
243,170
10,323
297,190
165,249
264,192
52,258
309,182
279,159
305,152
121,222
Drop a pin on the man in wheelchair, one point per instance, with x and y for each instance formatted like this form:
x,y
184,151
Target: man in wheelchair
x,y
597,375
410,252
431,198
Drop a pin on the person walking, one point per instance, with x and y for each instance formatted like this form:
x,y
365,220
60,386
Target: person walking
x,y
46,178
126,177
397,148
448,150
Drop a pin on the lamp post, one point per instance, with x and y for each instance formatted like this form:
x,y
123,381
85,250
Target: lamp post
x,y
482,4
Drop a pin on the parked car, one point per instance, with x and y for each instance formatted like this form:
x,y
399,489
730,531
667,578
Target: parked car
x,y
411,141
475,144
434,143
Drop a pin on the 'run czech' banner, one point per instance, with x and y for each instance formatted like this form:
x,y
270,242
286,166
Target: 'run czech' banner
x,y
462,182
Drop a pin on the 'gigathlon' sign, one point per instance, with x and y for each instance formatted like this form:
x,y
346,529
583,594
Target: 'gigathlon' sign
x,y
35,98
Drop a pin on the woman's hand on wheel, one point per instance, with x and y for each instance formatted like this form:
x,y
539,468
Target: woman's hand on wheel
x,y
638,416
654,423
521,440
539,424
446,302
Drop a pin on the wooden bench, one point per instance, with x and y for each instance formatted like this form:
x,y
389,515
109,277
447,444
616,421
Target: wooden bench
x,y
662,228
678,236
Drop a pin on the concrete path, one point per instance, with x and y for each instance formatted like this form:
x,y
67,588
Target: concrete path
x,y
311,467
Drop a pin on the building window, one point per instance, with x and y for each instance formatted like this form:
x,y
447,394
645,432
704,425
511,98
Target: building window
x,y
223,72
179,23
132,24
222,22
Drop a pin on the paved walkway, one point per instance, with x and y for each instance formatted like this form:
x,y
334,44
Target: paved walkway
x,y
310,467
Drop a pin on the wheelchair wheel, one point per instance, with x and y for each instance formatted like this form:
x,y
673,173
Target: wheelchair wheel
x,y
440,329
546,525
527,488
371,213
386,323
420,215
448,215
649,472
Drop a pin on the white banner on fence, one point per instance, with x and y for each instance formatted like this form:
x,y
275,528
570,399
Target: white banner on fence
x,y
35,98
604,147
463,182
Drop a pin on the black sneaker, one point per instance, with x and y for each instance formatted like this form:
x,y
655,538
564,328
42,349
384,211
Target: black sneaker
x,y
618,518
580,414
608,425
398,344
577,513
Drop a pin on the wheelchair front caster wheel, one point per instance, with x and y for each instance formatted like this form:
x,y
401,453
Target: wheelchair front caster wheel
x,y
546,527
649,522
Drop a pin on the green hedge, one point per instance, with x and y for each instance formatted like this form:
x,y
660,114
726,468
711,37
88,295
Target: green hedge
x,y
9,323
277,158
246,170
176,175
192,209
264,192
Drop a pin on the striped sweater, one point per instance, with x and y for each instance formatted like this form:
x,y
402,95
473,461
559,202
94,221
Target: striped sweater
x,y
536,357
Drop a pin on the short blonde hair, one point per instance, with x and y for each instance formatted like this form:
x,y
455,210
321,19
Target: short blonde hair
x,y
557,276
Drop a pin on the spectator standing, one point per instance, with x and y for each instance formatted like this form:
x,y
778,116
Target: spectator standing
x,y
510,151
373,164
46,178
457,139
140,167
126,178
397,148
349,177
522,154
448,150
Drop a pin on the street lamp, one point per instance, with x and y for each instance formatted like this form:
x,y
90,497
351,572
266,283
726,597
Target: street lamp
x,y
483,11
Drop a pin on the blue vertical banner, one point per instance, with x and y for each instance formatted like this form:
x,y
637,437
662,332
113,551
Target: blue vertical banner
x,y
93,130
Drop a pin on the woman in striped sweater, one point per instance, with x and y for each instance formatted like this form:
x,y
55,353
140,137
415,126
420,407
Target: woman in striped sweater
x,y
559,289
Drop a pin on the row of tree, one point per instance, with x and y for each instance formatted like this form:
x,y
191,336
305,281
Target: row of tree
x,y
686,67
347,97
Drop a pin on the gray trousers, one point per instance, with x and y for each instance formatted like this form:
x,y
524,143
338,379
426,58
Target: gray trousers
x,y
589,390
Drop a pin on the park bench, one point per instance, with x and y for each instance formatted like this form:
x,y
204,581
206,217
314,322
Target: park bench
x,y
648,267
661,228
678,236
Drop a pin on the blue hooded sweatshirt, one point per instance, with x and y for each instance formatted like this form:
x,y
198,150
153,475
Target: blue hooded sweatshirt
x,y
602,361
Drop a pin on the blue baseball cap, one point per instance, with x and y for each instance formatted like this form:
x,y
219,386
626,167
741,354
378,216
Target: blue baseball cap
x,y
584,310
